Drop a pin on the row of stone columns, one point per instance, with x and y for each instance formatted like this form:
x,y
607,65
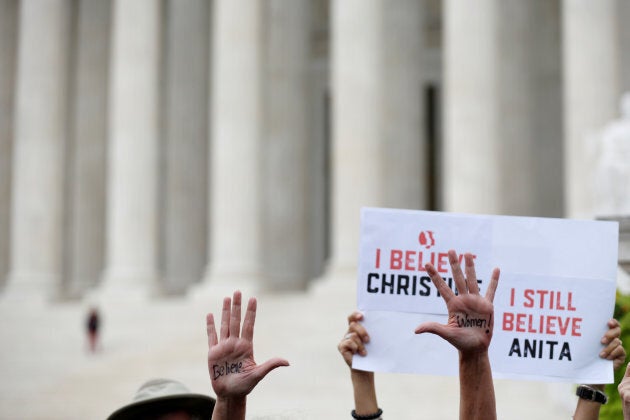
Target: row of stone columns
x,y
152,148
113,186
529,86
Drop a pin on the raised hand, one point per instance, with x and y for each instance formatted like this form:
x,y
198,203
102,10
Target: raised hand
x,y
614,349
470,316
353,342
355,339
233,370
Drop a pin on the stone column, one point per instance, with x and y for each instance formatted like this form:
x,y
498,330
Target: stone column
x,y
8,48
38,159
470,106
132,180
88,137
319,156
235,163
288,166
623,16
185,196
591,93
547,111
502,108
529,128
377,115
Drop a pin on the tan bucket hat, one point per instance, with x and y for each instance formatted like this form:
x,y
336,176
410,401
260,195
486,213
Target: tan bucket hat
x,y
160,396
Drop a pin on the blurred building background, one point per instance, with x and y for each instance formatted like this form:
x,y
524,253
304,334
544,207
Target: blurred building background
x,y
153,146
165,149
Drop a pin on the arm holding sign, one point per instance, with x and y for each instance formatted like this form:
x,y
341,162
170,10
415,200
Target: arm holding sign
x,y
233,371
365,404
469,329
613,350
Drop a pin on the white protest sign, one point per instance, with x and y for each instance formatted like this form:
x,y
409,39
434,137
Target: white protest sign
x,y
555,295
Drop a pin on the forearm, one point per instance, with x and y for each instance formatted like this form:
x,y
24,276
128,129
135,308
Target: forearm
x,y
477,400
229,409
364,392
586,410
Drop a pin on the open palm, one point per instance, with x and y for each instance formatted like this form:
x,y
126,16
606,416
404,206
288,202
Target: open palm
x,y
233,371
470,316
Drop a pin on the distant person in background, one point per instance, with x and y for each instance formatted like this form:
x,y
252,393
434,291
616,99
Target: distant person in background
x,y
92,326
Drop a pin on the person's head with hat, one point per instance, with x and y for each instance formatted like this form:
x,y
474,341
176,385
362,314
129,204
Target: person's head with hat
x,y
165,399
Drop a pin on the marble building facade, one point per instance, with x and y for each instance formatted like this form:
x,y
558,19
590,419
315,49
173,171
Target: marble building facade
x,y
155,146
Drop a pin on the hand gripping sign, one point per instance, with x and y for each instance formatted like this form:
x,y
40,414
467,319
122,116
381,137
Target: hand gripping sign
x,y
555,295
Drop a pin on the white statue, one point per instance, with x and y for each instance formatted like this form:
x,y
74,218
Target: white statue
x,y
612,174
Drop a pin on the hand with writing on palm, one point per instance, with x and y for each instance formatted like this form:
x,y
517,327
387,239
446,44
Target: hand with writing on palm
x,y
470,316
233,371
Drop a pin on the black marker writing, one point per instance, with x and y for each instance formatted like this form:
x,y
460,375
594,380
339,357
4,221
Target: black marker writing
x,y
226,369
468,322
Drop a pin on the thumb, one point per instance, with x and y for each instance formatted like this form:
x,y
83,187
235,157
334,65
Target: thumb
x,y
627,374
433,328
264,368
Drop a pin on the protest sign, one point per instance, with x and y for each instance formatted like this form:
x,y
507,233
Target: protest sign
x,y
555,295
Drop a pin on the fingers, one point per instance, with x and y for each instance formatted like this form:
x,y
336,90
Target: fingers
x,y
606,351
354,317
612,323
614,349
354,340
471,276
614,331
439,283
250,319
358,329
617,355
353,343
263,369
235,318
225,318
211,331
456,270
492,287
350,345
433,328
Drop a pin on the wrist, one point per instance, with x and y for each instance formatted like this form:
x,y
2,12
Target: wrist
x,y
376,415
589,393
231,403
473,356
365,402
361,375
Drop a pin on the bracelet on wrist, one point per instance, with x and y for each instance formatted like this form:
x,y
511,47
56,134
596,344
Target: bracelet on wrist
x,y
374,416
591,394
